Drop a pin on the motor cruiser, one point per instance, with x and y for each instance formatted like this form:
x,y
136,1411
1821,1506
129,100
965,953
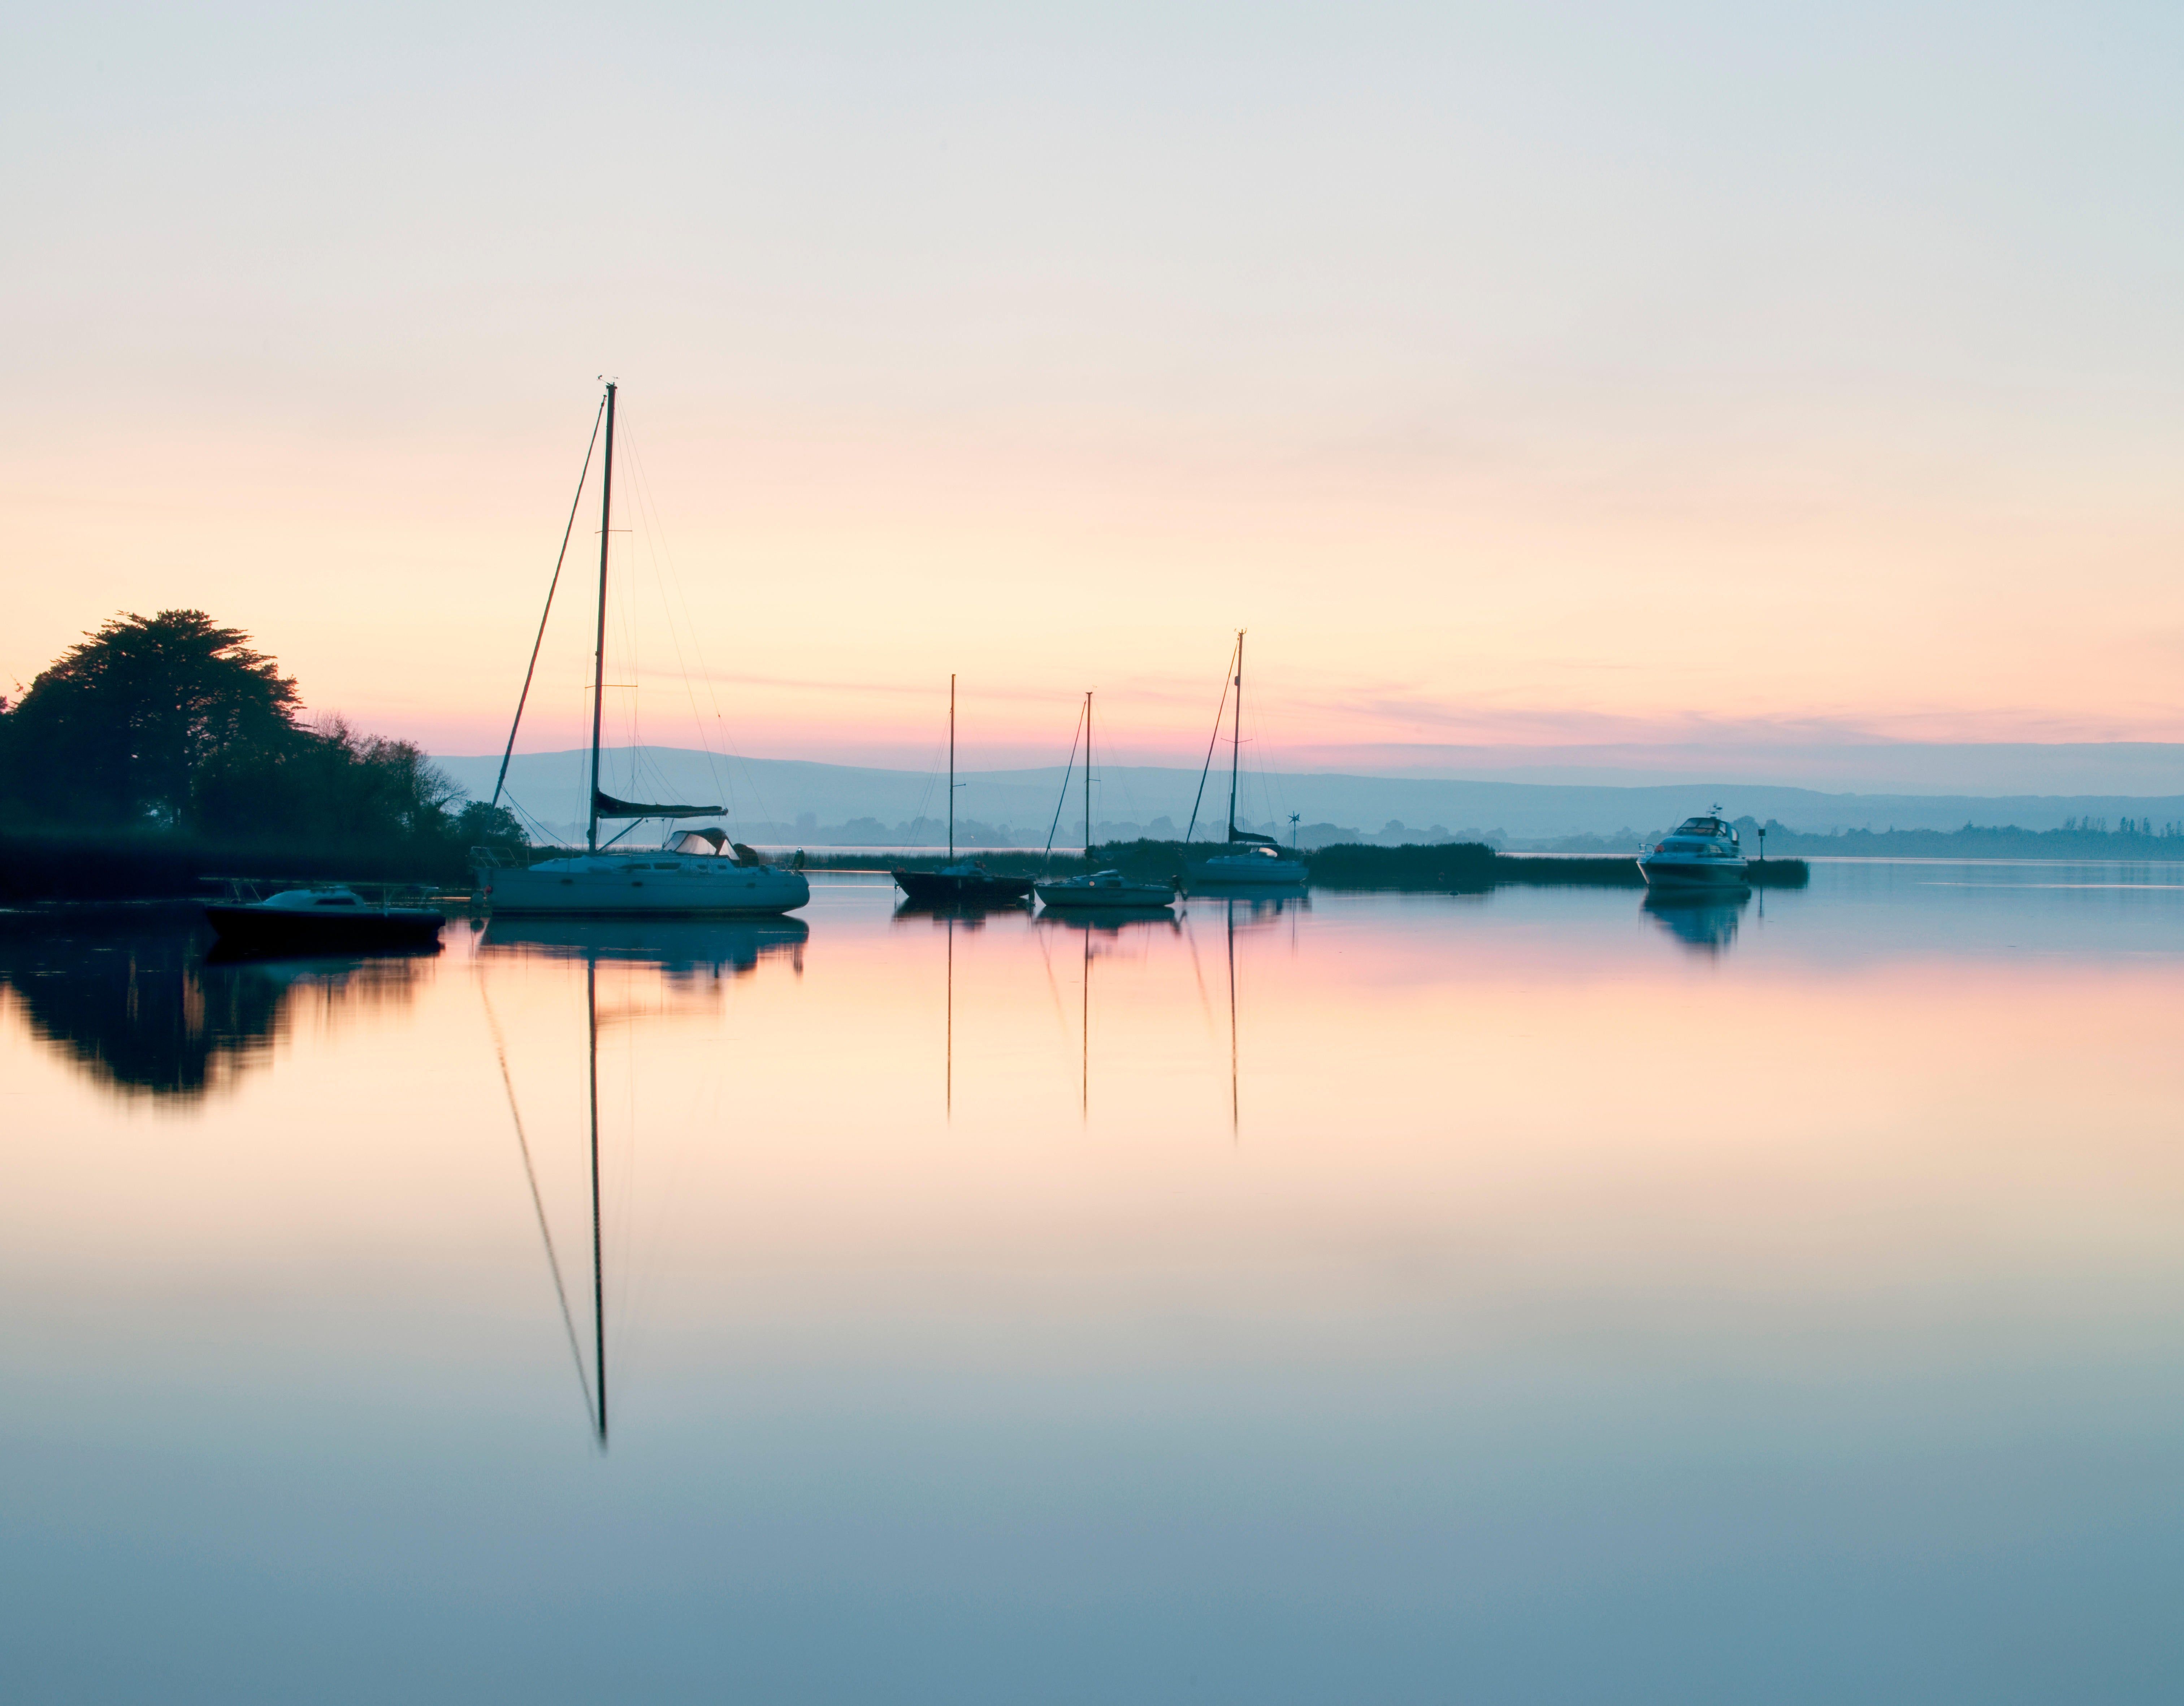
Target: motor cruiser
x,y
1699,853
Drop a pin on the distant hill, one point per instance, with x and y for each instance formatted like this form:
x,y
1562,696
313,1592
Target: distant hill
x,y
791,802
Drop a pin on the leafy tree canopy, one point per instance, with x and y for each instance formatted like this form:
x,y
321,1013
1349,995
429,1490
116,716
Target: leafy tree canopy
x,y
116,730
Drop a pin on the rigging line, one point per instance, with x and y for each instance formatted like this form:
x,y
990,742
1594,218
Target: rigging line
x,y
657,548
509,751
538,1202
1190,940
932,781
1053,988
1066,770
1227,679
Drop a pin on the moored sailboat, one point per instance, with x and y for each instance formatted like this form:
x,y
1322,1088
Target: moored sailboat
x,y
1106,888
1259,861
968,883
678,879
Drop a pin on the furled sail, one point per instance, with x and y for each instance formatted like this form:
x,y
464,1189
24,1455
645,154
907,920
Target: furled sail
x,y
1246,835
607,806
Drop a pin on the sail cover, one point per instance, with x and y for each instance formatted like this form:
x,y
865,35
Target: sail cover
x,y
1246,836
607,806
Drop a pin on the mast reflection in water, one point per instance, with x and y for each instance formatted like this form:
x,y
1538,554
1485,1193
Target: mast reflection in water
x,y
687,954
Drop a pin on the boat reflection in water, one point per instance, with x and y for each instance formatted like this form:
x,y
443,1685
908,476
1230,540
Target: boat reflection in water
x,y
1702,922
682,948
142,1009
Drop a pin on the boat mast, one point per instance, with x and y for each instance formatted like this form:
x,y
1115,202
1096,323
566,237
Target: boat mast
x,y
951,768
599,653
1236,728
1087,780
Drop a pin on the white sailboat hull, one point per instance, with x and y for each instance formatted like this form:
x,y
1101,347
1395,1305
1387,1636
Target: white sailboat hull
x,y
661,886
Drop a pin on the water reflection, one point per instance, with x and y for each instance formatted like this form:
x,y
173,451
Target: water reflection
x,y
135,1001
683,948
971,914
1706,923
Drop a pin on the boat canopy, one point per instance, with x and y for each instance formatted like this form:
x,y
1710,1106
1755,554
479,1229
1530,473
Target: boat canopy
x,y
606,805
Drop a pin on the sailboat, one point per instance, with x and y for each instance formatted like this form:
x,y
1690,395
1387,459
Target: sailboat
x,y
954,884
1100,888
693,876
1261,862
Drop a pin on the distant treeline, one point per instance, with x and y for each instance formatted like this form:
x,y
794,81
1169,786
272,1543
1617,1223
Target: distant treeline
x,y
1476,867
1445,867
2090,838
164,750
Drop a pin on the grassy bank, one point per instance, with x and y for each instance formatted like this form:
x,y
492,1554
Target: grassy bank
x,y
62,866
1446,867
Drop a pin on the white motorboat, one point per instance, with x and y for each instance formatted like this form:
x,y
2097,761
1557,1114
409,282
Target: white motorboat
x,y
1104,888
701,875
1253,859
329,919
1699,853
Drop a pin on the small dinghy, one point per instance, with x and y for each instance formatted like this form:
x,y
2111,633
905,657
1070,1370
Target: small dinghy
x,y
307,921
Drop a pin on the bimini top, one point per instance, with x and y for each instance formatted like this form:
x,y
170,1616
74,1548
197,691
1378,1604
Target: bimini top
x,y
1705,826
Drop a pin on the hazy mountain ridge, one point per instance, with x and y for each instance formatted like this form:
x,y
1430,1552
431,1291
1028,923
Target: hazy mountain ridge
x,y
789,800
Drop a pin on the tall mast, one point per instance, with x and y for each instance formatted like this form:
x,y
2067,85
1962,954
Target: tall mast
x,y
951,770
1236,734
599,653
1087,778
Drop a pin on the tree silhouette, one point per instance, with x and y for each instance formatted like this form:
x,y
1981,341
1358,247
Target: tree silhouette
x,y
117,729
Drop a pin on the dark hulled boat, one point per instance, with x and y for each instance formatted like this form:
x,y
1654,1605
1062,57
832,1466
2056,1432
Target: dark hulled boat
x,y
965,882
308,920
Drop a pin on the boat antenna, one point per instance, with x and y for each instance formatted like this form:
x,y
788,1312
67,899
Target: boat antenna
x,y
507,752
599,653
951,767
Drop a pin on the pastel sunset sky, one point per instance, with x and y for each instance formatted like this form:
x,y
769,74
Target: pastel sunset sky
x,y
1540,377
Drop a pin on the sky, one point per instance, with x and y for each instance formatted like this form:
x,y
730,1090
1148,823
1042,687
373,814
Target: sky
x,y
1535,383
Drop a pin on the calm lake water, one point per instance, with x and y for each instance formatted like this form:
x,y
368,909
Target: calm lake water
x,y
1538,1297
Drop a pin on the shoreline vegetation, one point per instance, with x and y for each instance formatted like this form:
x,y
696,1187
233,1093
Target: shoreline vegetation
x,y
164,752
1442,867
163,755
